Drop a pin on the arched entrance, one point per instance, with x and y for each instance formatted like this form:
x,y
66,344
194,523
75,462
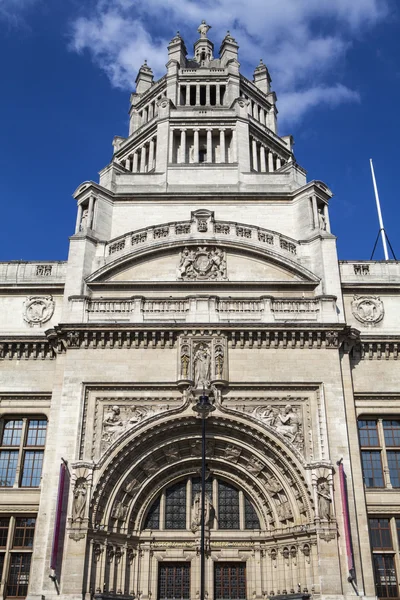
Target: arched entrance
x,y
145,535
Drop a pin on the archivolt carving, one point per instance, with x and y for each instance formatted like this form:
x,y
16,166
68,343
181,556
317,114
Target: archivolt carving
x,y
132,480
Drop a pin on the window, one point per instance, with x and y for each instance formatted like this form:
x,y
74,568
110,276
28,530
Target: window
x,y
380,450
230,581
171,509
16,538
384,536
21,451
174,581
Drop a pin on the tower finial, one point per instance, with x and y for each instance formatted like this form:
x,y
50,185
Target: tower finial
x,y
203,29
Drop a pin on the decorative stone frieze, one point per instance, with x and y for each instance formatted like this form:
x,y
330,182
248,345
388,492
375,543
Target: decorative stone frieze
x,y
38,309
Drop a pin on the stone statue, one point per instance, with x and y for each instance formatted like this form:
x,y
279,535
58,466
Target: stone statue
x,y
288,423
203,29
201,362
79,501
196,512
84,220
219,361
137,414
185,362
321,219
324,500
120,511
272,485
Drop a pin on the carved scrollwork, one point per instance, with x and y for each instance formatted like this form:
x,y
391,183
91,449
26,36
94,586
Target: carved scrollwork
x,y
368,310
38,309
202,263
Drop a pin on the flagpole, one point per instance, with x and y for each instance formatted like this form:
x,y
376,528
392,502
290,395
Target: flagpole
x,y
378,207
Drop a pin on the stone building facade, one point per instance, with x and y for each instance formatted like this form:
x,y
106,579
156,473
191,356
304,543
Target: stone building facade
x,y
203,259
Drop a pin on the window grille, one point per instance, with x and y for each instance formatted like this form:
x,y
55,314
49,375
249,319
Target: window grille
x,y
18,577
153,516
251,520
230,581
174,581
228,506
175,506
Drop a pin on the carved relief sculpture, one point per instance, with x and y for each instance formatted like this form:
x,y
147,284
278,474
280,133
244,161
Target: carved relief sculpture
x,y
79,501
368,309
324,500
196,512
201,264
201,363
38,309
285,420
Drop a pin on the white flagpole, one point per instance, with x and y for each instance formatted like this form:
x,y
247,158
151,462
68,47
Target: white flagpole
x,y
378,207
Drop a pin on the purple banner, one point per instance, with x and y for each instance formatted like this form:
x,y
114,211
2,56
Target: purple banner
x,y
346,520
57,524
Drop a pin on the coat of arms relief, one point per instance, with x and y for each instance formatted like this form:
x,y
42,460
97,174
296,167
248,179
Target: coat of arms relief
x,y
202,263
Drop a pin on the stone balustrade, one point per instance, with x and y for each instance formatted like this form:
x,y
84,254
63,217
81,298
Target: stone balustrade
x,y
213,309
216,230
22,272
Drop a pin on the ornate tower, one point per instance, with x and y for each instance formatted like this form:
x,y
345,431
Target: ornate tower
x,y
203,258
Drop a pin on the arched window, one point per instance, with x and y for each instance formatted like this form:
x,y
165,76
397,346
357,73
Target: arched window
x,y
228,507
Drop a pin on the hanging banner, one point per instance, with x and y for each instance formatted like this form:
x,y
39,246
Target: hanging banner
x,y
346,520
57,523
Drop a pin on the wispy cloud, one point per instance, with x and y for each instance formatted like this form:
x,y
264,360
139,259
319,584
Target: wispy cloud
x,y
301,41
12,11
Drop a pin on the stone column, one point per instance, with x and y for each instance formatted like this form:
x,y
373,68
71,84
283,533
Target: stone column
x,y
315,212
151,155
222,153
135,162
197,94
270,162
127,164
78,218
171,146
208,94
196,146
209,145
254,155
263,165
278,162
90,213
327,221
255,111
218,95
143,159
234,146
182,150
187,94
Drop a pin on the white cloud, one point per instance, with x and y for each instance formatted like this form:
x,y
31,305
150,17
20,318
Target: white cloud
x,y
12,10
301,41
295,104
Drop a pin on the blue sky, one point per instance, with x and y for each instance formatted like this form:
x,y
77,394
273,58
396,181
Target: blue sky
x,y
68,67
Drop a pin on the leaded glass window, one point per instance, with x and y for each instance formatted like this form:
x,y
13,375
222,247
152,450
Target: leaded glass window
x,y
18,576
385,576
153,516
196,487
251,520
175,506
230,581
228,506
174,581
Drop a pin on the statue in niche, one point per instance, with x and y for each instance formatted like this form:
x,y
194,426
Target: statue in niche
x,y
203,29
219,361
185,362
324,500
196,512
84,220
288,423
79,501
321,219
202,363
